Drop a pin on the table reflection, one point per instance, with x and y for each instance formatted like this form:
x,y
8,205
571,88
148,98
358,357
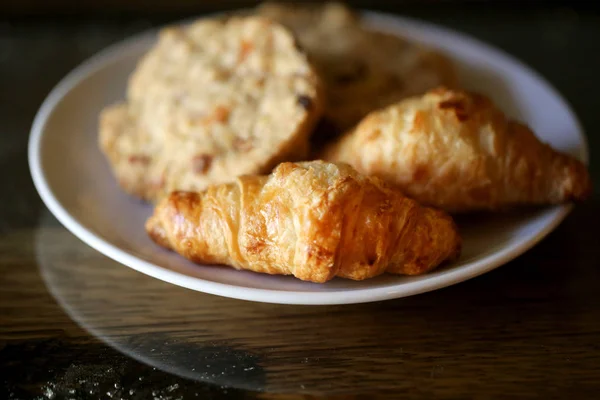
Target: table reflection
x,y
404,344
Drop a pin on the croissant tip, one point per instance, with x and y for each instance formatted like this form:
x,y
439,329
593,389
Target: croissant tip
x,y
445,242
582,194
157,232
455,247
578,185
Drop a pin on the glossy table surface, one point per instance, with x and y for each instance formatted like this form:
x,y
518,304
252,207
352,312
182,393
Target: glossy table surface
x,y
74,324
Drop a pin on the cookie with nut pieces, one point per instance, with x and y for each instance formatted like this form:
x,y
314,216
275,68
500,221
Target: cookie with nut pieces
x,y
211,101
362,69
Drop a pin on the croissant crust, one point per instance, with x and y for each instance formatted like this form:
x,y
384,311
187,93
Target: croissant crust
x,y
313,220
456,151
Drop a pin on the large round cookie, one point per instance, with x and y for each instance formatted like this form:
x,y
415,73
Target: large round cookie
x,y
211,101
362,69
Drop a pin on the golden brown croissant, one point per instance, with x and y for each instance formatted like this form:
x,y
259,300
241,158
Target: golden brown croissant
x,y
456,151
313,220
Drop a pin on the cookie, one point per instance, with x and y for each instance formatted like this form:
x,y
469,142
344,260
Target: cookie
x,y
362,69
209,102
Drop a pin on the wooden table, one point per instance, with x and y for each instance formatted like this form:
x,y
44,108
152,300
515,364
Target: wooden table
x,y
74,324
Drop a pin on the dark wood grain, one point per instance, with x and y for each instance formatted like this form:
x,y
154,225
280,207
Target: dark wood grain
x,y
74,324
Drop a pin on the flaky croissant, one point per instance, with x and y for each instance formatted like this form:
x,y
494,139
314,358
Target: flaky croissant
x,y
456,151
313,220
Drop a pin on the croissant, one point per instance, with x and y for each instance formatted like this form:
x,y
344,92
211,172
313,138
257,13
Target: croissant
x,y
456,151
314,220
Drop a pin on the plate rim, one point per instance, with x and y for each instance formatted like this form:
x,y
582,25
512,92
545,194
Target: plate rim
x,y
296,297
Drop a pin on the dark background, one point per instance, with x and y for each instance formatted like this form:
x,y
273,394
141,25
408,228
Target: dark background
x,y
28,8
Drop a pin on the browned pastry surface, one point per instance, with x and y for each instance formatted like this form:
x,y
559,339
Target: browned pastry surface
x,y
313,220
457,151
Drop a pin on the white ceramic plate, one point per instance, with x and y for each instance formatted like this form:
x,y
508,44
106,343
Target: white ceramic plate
x,y
74,180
